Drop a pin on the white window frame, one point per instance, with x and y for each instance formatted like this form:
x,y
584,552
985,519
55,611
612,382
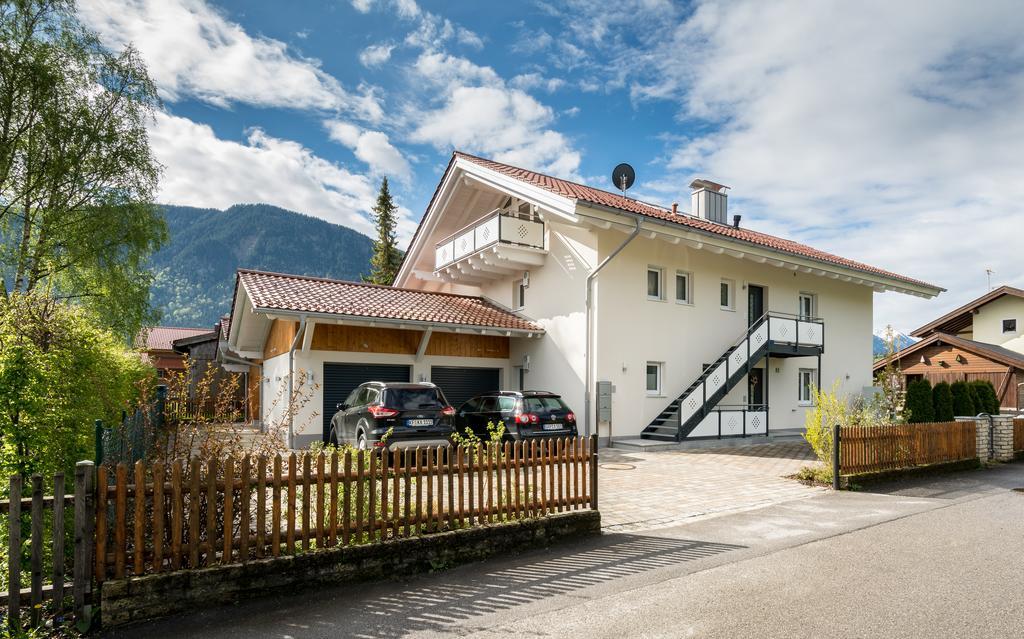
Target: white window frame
x,y
661,283
518,295
803,391
688,288
656,392
731,294
1002,325
813,299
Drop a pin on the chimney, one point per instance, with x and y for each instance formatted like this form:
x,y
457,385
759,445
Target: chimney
x,y
675,208
709,201
736,220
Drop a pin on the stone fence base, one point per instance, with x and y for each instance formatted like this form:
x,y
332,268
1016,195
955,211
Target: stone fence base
x,y
140,598
995,439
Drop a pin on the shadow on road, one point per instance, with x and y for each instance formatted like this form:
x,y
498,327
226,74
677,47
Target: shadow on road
x,y
432,603
953,485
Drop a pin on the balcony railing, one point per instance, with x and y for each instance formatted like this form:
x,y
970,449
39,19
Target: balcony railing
x,y
497,227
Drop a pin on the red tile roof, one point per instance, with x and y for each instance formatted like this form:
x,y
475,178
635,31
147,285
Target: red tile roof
x,y
161,338
591,195
304,294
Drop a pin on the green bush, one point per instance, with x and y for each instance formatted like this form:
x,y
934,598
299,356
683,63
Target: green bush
x,y
942,402
963,400
985,393
919,401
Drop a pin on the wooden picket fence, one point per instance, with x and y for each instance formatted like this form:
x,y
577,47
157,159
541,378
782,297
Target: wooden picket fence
x,y
198,513
44,515
1018,435
865,449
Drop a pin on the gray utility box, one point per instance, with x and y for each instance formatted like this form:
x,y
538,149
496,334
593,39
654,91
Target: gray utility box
x,y
604,401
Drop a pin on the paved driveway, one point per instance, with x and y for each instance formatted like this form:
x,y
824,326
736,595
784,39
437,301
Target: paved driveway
x,y
648,490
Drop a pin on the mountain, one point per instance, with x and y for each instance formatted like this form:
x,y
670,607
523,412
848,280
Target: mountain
x,y
900,341
195,270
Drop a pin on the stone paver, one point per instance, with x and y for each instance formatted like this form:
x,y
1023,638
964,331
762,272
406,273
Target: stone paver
x,y
647,490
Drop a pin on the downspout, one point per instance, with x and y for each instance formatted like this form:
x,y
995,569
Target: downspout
x,y
587,354
291,377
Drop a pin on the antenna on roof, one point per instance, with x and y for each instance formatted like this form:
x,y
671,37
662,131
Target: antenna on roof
x,y
988,273
623,177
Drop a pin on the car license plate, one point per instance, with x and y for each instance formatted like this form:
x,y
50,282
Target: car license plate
x,y
552,427
419,422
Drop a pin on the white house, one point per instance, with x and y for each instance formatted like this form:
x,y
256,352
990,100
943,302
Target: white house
x,y
680,326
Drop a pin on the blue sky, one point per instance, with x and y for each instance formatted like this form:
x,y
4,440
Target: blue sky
x,y
888,134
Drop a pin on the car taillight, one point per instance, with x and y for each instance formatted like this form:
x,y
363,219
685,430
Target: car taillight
x,y
526,418
448,411
570,417
379,411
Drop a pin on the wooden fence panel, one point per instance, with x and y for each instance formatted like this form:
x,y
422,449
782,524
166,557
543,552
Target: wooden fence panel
x,y
1018,435
865,449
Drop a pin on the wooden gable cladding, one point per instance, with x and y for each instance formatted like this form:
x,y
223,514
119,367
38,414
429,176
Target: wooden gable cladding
x,y
279,338
372,339
943,358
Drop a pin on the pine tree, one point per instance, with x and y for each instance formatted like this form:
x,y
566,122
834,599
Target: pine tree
x,y
386,258
942,401
919,401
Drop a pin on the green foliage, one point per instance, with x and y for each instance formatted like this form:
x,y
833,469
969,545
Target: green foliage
x,y
195,270
942,402
77,176
892,402
819,475
829,409
387,259
919,401
58,372
985,397
963,400
470,440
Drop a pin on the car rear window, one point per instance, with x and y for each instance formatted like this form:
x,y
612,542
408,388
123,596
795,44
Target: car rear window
x,y
544,405
413,398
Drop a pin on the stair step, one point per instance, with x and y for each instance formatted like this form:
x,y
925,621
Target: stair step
x,y
656,437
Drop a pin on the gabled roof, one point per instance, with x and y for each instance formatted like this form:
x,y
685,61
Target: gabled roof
x,y
601,198
297,294
162,338
992,352
959,319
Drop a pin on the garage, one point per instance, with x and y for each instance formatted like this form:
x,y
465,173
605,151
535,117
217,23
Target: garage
x,y
461,383
340,379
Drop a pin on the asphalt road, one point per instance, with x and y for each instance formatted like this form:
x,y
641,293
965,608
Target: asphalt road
x,y
930,558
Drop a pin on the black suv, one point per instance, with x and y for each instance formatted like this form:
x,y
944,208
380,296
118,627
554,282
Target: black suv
x,y
416,415
526,415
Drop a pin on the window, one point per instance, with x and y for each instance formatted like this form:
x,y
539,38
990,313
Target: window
x,y
413,398
654,283
726,296
683,287
807,381
807,306
506,404
1010,326
654,378
518,295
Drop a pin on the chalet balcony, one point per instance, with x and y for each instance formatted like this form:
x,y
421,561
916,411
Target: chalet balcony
x,y
494,246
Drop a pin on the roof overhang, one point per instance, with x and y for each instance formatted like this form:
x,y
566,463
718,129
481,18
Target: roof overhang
x,y
960,318
400,324
604,217
970,346
463,173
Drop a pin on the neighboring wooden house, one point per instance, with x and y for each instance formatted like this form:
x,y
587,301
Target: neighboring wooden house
x,y
204,353
981,340
158,344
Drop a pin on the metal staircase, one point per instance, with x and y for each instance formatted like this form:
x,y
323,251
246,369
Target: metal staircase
x,y
694,414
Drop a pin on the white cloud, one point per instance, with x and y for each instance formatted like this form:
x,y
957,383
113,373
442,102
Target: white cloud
x,y
407,8
530,81
192,50
204,170
362,6
504,124
372,147
375,55
469,38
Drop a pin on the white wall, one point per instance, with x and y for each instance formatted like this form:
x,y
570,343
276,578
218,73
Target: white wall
x,y
988,323
309,420
633,330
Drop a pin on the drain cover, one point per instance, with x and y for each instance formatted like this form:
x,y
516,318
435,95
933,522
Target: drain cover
x,y
618,466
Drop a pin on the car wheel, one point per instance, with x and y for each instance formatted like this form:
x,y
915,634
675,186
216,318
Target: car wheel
x,y
361,443
333,440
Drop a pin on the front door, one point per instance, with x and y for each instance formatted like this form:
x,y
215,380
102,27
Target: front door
x,y
755,303
755,389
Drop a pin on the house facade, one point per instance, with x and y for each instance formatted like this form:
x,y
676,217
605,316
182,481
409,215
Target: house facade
x,y
650,322
981,340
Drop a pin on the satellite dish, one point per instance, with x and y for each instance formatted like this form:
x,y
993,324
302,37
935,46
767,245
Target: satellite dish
x,y
623,177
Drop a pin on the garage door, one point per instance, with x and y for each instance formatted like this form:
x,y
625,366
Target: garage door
x,y
459,384
340,379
